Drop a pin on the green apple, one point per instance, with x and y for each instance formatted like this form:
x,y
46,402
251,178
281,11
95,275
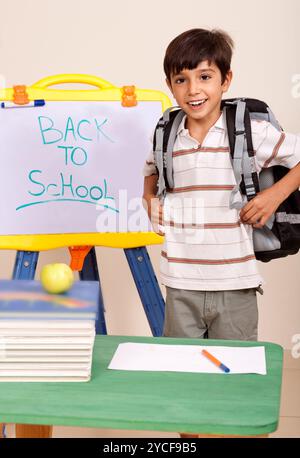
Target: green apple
x,y
57,278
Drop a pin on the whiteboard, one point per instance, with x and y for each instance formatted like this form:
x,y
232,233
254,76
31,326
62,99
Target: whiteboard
x,y
74,167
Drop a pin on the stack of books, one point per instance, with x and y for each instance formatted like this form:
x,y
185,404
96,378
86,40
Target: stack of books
x,y
46,337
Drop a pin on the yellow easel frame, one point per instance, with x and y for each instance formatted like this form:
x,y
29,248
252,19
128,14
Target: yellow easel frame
x,y
105,92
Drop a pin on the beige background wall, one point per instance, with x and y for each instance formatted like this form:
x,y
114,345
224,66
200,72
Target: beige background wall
x,y
124,42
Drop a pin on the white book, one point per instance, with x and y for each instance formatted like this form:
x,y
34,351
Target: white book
x,y
54,359
49,346
43,373
58,379
11,315
60,332
47,324
41,353
44,366
46,340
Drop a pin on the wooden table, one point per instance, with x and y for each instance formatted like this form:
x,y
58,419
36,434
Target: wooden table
x,y
214,404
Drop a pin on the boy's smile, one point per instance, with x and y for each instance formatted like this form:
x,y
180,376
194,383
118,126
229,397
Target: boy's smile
x,y
199,92
196,104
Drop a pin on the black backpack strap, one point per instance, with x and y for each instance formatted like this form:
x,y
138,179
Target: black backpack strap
x,y
229,111
252,188
158,156
163,143
169,141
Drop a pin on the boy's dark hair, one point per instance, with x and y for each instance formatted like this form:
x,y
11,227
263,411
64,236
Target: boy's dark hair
x,y
194,46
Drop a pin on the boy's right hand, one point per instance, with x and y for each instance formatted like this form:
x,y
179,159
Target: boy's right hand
x,y
155,213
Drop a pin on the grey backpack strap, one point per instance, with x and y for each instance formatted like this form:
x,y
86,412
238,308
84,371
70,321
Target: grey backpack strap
x,y
158,159
273,120
236,200
269,117
242,162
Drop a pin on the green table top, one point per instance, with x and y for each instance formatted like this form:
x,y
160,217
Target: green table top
x,y
242,404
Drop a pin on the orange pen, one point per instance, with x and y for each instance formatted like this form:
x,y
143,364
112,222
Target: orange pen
x,y
215,361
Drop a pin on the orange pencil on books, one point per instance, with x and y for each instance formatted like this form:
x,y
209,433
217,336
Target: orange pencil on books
x,y
215,361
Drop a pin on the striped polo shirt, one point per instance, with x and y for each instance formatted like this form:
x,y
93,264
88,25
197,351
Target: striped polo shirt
x,y
206,247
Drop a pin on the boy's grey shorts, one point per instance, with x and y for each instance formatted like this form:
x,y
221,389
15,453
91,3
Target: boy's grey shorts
x,y
211,314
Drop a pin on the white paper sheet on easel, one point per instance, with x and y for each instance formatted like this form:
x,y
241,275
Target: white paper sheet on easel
x,y
188,358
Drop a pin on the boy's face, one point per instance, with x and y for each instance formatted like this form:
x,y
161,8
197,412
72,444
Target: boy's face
x,y
199,91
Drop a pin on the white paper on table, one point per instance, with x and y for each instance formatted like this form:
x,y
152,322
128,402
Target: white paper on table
x,y
188,358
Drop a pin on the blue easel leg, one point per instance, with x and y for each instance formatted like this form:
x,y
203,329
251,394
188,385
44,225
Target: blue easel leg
x,y
148,288
90,272
25,265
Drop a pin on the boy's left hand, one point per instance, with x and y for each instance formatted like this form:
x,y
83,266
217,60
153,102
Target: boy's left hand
x,y
261,207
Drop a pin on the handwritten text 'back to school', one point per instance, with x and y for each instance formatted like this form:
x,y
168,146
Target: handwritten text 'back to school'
x,y
66,188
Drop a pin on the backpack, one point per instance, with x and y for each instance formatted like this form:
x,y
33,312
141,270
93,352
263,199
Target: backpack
x,y
280,236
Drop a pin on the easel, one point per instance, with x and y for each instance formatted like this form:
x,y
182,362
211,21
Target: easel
x,y
83,258
137,258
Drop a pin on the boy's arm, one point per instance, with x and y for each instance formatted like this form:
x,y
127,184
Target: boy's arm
x,y
265,203
152,204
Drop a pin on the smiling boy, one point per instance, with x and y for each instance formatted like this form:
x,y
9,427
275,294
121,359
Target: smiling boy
x,y
210,274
